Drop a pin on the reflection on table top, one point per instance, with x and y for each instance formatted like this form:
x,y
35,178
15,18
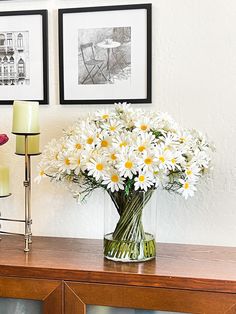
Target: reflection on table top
x,y
195,267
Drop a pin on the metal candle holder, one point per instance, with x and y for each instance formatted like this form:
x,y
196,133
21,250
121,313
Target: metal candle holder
x,y
27,185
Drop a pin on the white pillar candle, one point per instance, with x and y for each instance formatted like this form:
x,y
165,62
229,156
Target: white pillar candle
x,y
4,181
33,144
25,117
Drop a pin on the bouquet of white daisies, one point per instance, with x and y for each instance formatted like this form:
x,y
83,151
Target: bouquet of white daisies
x,y
127,150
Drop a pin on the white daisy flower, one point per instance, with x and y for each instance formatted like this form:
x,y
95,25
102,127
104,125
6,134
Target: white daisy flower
x,y
143,181
177,161
113,181
41,174
112,156
53,149
127,163
188,188
64,162
112,126
104,141
192,171
144,141
142,124
122,140
97,167
76,163
164,157
185,140
169,139
90,135
75,143
71,130
123,107
103,114
147,161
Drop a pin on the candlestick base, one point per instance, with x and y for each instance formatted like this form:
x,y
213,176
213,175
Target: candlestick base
x,y
27,185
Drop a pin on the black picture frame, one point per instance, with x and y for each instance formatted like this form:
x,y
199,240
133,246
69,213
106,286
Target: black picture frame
x,y
148,54
14,50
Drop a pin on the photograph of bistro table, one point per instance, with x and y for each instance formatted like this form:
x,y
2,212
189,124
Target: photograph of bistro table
x,y
110,45
105,54
106,59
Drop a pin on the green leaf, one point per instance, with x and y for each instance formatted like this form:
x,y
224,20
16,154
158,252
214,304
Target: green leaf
x,y
156,133
128,186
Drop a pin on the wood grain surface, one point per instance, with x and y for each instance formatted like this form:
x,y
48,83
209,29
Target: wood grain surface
x,y
78,295
191,267
47,291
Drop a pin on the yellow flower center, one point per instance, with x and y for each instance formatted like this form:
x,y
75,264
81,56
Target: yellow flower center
x,y
148,161
173,161
143,127
186,185
162,159
112,128
113,157
105,116
189,172
182,139
141,178
56,156
78,161
67,161
114,178
104,143
78,146
128,164
41,173
99,167
89,140
141,148
123,144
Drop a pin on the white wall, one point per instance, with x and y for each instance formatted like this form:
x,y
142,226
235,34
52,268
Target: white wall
x,y
194,79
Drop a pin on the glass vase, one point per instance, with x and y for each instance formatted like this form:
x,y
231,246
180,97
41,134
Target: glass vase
x,y
130,226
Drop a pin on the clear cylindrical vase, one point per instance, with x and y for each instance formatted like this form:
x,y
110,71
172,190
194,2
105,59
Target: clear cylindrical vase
x,y
130,226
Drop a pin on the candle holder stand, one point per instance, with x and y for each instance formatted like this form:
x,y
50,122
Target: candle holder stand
x,y
27,200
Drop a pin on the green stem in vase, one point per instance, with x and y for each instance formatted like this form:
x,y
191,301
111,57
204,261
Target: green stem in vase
x,y
129,241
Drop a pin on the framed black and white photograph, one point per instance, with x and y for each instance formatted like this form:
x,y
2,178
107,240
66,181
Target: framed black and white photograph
x,y
23,56
105,54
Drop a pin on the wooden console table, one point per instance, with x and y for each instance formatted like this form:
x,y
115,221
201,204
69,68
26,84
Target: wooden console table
x,y
66,275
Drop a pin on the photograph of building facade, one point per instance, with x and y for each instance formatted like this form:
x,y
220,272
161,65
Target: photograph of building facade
x,y
14,58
